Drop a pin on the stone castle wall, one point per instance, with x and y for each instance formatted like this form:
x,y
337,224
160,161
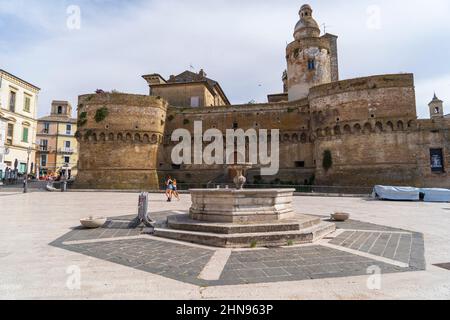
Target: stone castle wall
x,y
368,124
120,152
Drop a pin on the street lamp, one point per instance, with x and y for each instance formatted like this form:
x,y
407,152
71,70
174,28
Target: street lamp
x,y
25,185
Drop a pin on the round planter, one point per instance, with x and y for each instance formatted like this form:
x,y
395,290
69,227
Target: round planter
x,y
93,223
340,216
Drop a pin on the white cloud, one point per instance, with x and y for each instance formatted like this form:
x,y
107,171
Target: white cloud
x,y
239,43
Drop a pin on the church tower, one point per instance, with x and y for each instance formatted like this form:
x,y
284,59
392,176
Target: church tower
x,y
311,59
436,108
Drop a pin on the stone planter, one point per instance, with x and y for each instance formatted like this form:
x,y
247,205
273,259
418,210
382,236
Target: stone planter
x,y
92,223
340,216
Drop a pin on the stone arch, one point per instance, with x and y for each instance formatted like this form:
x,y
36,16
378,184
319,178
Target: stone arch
x,y
102,137
390,126
400,125
295,137
367,127
286,137
327,131
94,137
411,124
357,128
303,138
154,139
347,129
378,127
337,130
137,137
111,137
146,138
119,137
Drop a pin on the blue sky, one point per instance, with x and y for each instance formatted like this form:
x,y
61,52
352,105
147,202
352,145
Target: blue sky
x,y
241,44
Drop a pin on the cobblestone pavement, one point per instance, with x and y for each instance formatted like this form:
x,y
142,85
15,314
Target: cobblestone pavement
x,y
185,262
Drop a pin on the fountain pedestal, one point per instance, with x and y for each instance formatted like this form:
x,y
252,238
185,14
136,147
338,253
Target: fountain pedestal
x,y
245,218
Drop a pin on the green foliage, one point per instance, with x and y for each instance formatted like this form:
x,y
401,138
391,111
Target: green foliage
x,y
82,119
290,110
290,243
253,244
327,162
101,114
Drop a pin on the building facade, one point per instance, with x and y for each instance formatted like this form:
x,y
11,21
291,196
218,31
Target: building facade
x,y
18,105
355,132
2,147
57,144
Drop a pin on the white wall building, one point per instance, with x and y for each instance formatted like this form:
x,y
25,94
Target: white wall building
x,y
18,105
2,147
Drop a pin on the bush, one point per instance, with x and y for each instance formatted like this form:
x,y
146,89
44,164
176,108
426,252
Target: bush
x,y
82,119
327,160
101,114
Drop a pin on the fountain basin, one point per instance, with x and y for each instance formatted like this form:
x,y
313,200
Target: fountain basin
x,y
241,206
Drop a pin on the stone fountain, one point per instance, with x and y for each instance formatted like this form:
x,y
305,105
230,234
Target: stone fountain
x,y
240,218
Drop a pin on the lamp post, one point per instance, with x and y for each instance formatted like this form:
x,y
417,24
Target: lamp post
x,y
25,185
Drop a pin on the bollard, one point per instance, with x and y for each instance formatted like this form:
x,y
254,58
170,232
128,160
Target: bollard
x,y
143,211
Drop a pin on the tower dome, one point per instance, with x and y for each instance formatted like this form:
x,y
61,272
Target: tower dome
x,y
306,27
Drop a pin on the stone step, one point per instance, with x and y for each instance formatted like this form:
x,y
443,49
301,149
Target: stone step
x,y
298,222
247,240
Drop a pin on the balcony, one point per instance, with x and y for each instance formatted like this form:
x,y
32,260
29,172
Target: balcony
x,y
44,149
66,150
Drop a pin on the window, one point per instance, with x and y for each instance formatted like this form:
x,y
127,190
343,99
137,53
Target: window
x,y
10,134
195,102
44,145
25,135
60,110
27,104
10,130
43,160
22,168
12,101
67,160
299,164
436,110
46,127
67,144
436,160
68,129
311,64
235,125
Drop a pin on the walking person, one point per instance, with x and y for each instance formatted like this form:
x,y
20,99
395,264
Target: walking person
x,y
169,188
175,189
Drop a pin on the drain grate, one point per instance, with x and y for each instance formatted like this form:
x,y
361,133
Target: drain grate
x,y
445,266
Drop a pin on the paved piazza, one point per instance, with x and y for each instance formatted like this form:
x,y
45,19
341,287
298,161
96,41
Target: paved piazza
x,y
42,245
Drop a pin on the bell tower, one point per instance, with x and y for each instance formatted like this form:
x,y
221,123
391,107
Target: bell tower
x,y
436,108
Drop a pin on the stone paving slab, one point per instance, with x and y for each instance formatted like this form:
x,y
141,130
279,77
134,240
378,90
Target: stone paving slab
x,y
185,263
384,244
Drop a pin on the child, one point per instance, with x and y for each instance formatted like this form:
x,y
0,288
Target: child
x,y
175,190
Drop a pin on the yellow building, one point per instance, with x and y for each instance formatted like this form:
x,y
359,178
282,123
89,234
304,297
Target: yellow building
x,y
18,108
57,145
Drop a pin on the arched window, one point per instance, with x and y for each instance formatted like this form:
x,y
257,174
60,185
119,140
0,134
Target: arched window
x,y
347,129
311,64
367,127
400,125
357,128
379,127
390,126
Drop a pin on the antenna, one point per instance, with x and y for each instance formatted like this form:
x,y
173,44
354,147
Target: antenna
x,y
325,26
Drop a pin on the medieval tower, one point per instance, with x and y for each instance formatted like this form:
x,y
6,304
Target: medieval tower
x,y
311,59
